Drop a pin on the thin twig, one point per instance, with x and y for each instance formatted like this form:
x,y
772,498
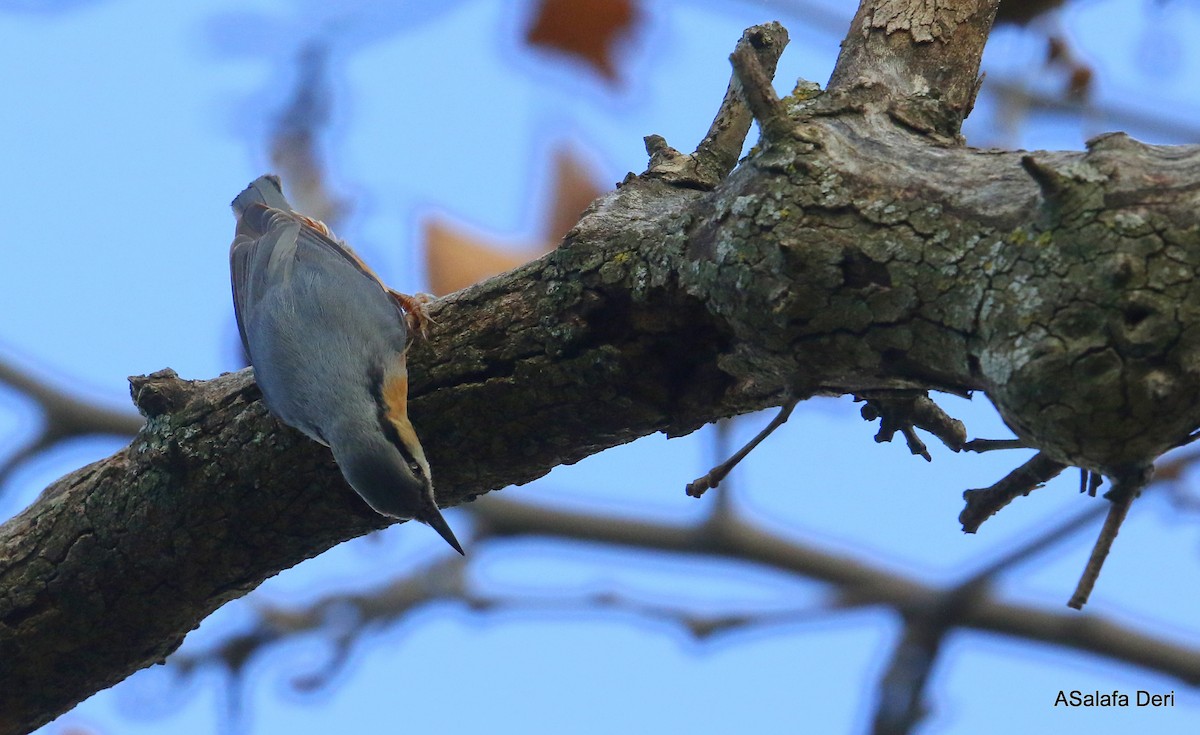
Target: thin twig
x,y
764,103
991,445
1125,490
1089,482
984,503
711,480
718,153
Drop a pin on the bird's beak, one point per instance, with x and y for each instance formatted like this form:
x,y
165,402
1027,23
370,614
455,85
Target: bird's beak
x,y
434,520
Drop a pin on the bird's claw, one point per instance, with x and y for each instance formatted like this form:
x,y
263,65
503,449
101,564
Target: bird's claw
x,y
416,315
316,224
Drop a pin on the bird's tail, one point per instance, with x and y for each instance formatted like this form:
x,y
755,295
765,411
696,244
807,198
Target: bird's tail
x,y
266,190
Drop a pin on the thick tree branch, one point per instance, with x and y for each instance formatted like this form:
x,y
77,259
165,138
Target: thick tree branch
x,y
864,253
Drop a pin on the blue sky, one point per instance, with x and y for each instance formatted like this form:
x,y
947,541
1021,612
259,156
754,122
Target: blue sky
x,y
129,128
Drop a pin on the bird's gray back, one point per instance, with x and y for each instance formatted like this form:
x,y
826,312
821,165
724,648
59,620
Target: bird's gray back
x,y
315,320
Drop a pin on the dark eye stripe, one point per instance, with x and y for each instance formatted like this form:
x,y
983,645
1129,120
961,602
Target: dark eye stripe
x,y
375,385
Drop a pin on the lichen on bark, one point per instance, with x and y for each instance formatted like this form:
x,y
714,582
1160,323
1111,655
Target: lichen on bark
x,y
861,248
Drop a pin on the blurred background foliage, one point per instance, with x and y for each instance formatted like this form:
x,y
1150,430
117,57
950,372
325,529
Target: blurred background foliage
x,y
451,141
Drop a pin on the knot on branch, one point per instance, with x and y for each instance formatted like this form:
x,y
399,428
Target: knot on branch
x,y
676,168
1085,346
159,393
1069,189
906,413
929,116
1116,142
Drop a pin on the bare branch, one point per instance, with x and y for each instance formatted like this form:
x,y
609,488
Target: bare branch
x,y
991,445
296,140
900,703
985,503
718,152
722,146
1126,487
714,476
755,84
904,412
342,618
930,612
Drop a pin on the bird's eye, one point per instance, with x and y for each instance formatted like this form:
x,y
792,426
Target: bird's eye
x,y
415,468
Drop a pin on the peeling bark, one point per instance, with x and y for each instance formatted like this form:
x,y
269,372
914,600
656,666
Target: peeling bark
x,y
861,248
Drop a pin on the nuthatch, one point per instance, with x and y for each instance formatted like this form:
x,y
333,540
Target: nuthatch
x,y
328,342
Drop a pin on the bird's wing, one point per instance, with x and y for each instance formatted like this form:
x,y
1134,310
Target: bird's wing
x,y
318,234
316,240
262,253
270,242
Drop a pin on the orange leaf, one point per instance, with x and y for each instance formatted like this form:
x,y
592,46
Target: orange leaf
x,y
457,256
588,29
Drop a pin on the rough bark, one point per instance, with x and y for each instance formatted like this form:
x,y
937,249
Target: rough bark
x,y
862,247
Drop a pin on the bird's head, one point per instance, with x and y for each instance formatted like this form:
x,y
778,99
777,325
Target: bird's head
x,y
385,463
394,483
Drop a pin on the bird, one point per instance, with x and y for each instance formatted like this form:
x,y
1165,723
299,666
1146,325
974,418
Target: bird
x,y
328,342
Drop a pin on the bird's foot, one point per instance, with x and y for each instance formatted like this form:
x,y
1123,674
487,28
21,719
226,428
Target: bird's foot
x,y
316,224
415,312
